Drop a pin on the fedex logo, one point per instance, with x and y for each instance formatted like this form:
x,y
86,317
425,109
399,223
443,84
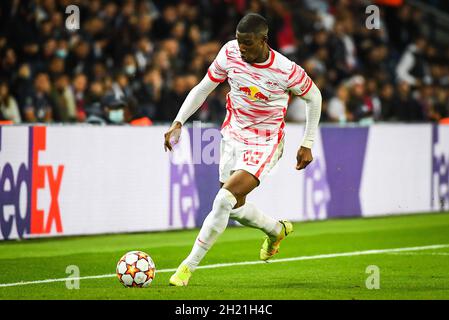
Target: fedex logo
x,y
24,185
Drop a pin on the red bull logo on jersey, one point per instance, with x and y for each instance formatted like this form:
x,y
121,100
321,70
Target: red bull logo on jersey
x,y
253,93
22,188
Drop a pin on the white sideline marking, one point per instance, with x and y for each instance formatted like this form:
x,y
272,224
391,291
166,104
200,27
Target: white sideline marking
x,y
221,265
420,253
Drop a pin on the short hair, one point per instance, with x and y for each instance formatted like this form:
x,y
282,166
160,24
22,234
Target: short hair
x,y
253,23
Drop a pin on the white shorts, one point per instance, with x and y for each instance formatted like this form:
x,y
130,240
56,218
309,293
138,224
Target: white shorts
x,y
257,160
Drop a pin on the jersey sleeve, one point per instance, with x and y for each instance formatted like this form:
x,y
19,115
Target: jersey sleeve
x,y
299,83
217,70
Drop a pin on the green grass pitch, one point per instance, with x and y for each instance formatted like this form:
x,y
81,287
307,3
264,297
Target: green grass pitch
x,y
411,274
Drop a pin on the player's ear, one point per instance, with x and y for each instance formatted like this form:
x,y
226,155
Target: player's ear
x,y
264,38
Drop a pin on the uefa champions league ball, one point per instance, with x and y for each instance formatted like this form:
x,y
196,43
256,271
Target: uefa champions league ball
x,y
136,269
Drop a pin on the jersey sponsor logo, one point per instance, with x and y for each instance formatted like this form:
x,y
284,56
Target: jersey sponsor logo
x,y
20,191
253,93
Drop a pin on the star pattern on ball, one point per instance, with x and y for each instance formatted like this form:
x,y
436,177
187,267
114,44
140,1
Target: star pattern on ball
x,y
131,270
135,264
142,255
150,274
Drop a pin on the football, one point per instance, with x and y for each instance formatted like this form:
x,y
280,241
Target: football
x,y
136,269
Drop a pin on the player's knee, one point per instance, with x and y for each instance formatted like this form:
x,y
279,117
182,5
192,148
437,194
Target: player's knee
x,y
240,202
221,209
224,201
238,195
214,223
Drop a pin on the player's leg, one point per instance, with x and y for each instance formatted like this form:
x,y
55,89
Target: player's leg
x,y
235,189
248,214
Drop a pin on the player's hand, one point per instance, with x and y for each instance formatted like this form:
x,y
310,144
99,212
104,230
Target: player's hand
x,y
303,158
172,136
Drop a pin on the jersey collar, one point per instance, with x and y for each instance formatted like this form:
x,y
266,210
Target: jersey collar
x,y
267,63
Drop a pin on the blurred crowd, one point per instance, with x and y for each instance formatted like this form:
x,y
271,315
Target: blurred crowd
x,y
137,59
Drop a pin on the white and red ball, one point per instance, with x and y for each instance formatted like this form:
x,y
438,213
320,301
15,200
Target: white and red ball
x,y
136,269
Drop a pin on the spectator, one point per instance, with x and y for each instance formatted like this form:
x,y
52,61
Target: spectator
x,y
23,85
121,86
172,99
144,53
112,109
407,108
9,109
372,99
142,50
442,102
412,65
337,110
426,99
359,106
79,87
149,92
80,61
387,102
64,99
39,107
343,49
8,62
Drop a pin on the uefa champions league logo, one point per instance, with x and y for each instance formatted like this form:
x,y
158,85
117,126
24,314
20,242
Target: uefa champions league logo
x,y
316,191
184,201
440,172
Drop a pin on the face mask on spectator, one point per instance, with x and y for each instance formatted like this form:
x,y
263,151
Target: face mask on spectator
x,y
61,53
117,116
130,70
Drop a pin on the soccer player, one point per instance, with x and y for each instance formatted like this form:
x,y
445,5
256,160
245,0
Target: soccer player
x,y
261,82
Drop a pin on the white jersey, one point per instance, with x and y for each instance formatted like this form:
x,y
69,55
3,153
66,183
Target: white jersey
x,y
259,96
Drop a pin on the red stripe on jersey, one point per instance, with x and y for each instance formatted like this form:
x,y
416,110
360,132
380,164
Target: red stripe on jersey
x,y
213,78
266,161
253,115
235,61
297,82
251,103
281,128
229,109
277,70
308,88
262,112
294,71
246,114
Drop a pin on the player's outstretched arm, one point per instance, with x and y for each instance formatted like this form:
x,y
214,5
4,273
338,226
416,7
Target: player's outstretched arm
x,y
313,112
194,100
